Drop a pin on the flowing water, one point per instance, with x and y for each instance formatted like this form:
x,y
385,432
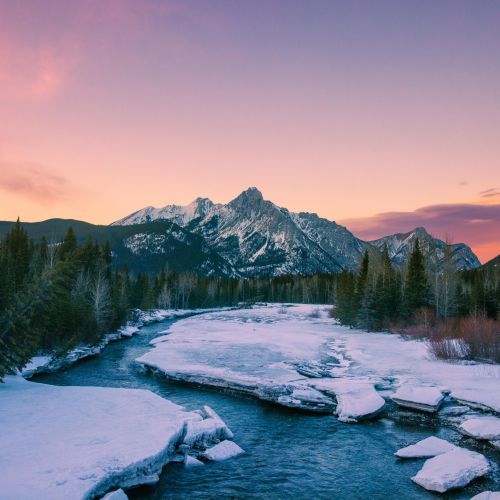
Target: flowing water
x,y
289,454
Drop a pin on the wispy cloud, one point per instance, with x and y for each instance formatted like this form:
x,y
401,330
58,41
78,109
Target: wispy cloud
x,y
478,225
34,182
490,193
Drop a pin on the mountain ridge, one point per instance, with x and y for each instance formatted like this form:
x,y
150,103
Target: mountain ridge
x,y
258,237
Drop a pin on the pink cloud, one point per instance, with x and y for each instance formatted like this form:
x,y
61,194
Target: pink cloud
x,y
477,225
33,181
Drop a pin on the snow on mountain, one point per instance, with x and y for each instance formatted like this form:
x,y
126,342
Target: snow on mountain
x,y
257,237
176,213
400,246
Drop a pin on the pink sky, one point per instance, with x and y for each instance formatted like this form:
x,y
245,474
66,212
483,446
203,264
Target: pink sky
x,y
382,118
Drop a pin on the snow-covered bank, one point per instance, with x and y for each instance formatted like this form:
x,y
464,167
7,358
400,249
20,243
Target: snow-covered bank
x,y
81,442
53,363
282,354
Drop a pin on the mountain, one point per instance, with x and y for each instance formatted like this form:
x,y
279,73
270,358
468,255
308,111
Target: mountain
x,y
494,263
259,238
143,247
400,246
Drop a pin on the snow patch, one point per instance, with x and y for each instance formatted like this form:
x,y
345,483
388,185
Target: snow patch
x,y
428,447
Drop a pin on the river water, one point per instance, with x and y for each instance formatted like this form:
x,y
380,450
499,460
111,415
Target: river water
x,y
289,454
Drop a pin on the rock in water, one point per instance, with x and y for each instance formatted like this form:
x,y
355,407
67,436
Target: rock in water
x,y
426,399
222,451
487,428
454,469
429,447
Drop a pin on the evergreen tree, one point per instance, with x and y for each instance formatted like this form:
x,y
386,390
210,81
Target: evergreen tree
x,y
417,290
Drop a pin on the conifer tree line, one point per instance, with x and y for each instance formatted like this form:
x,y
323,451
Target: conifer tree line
x,y
56,295
458,310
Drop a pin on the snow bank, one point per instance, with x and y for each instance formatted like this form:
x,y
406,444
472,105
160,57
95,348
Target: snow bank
x,y
428,447
80,442
426,399
275,356
222,451
454,469
487,428
356,400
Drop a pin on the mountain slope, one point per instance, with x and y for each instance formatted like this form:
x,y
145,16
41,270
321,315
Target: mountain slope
x,y
259,238
400,246
144,247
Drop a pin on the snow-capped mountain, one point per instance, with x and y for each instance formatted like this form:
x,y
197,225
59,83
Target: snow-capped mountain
x,y
400,246
257,237
175,213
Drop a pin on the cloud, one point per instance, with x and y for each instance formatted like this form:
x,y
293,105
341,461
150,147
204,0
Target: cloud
x,y
477,225
33,181
490,193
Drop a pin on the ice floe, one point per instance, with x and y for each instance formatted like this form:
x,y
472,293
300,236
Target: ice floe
x,y
115,495
356,400
487,428
222,451
453,469
204,432
421,398
63,442
427,448
487,495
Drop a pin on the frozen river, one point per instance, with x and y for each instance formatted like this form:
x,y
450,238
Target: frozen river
x,y
289,452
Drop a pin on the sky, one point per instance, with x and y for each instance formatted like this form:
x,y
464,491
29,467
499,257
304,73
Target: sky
x,y
380,115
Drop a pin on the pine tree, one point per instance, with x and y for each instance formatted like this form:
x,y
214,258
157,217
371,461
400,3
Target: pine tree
x,y
417,290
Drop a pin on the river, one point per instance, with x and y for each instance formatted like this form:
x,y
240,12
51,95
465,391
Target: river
x,y
289,454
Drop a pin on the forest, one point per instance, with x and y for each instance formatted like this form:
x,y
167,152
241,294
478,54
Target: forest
x,y
54,296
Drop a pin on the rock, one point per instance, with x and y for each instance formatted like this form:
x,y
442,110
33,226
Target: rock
x,y
487,428
421,398
429,447
222,451
454,469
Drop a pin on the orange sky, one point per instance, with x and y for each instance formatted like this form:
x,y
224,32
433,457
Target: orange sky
x,y
349,110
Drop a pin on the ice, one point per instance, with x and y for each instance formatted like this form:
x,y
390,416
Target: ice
x,y
192,462
487,495
355,399
419,398
482,428
36,365
202,433
222,451
428,447
274,352
81,442
115,495
454,469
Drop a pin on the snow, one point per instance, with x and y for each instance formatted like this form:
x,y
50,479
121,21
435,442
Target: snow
x,y
482,428
275,353
428,447
222,451
252,351
420,398
80,442
454,469
487,495
115,495
355,399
